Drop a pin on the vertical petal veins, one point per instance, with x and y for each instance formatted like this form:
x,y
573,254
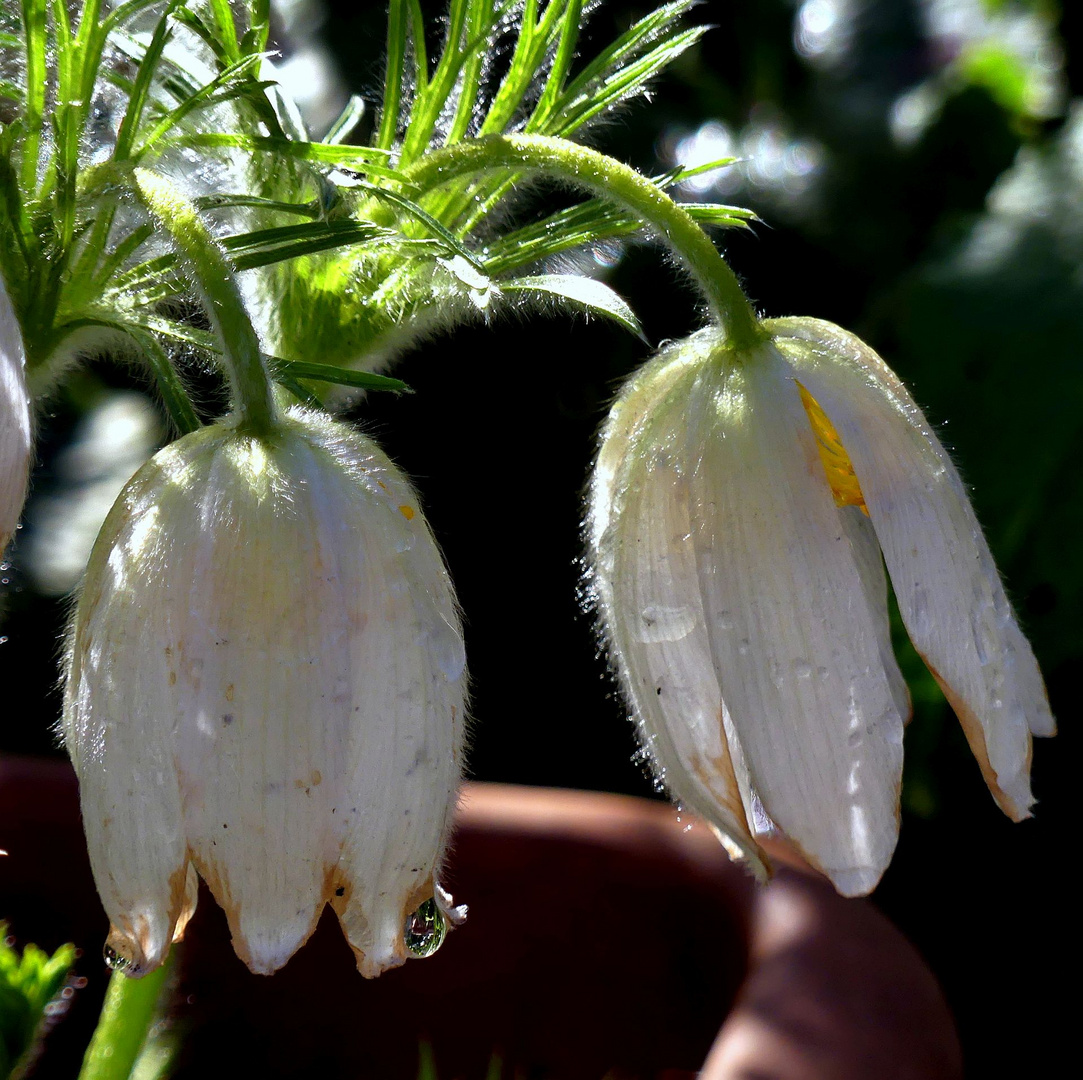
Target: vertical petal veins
x,y
649,596
947,586
748,624
267,679
790,630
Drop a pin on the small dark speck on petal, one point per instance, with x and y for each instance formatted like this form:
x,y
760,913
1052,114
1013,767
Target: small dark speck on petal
x,y
340,891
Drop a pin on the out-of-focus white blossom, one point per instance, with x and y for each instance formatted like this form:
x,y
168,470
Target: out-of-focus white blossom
x,y
112,439
266,685
740,506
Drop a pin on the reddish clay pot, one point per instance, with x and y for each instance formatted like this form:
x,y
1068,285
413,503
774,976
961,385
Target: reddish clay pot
x,y
605,939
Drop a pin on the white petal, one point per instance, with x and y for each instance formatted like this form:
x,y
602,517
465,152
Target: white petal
x,y
260,640
645,572
870,565
949,593
292,632
118,730
406,683
790,629
15,442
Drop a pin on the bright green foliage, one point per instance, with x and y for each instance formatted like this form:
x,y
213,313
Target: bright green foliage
x,y
28,982
74,244
435,255
348,257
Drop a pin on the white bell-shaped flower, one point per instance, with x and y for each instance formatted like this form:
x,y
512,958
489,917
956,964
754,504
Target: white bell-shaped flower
x,y
266,685
15,439
739,508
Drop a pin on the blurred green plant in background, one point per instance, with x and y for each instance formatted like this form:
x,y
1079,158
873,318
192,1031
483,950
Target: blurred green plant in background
x,y
30,986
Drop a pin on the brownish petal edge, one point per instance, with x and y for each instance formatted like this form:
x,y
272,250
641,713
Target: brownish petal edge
x,y
972,729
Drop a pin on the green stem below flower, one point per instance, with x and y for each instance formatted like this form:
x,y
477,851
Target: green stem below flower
x,y
613,180
125,1021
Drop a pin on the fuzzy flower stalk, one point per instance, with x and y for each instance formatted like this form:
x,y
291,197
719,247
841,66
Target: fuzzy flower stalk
x,y
265,685
744,504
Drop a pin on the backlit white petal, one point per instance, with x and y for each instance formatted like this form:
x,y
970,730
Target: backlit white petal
x,y
294,636
258,738
15,442
870,565
648,591
406,685
790,629
118,727
948,589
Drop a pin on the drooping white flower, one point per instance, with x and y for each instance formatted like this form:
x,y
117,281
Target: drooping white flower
x,y
266,685
739,508
15,440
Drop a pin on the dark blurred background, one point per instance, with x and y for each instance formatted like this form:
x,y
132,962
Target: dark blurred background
x,y
918,169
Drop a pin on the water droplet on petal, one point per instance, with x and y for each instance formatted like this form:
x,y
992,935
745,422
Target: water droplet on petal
x,y
802,669
919,611
660,623
113,960
425,930
977,627
448,650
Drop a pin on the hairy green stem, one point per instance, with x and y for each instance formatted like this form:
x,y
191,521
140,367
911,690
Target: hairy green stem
x,y
253,396
123,1026
617,182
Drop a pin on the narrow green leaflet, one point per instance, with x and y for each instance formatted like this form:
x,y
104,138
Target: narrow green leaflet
x,y
228,83
364,159
250,250
618,72
140,90
587,223
328,373
347,120
256,202
581,292
397,40
175,399
603,94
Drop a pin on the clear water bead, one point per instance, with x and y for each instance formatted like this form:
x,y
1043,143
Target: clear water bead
x,y
113,960
425,930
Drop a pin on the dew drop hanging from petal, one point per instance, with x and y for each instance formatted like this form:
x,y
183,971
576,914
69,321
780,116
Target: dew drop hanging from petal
x,y
425,930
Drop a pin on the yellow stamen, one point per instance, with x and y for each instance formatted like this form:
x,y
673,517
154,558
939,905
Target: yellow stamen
x,y
407,512
835,460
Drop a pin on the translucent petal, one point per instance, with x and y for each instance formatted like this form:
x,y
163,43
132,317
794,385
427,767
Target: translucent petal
x,y
15,441
949,593
791,632
870,565
118,729
406,683
645,572
259,636
281,613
